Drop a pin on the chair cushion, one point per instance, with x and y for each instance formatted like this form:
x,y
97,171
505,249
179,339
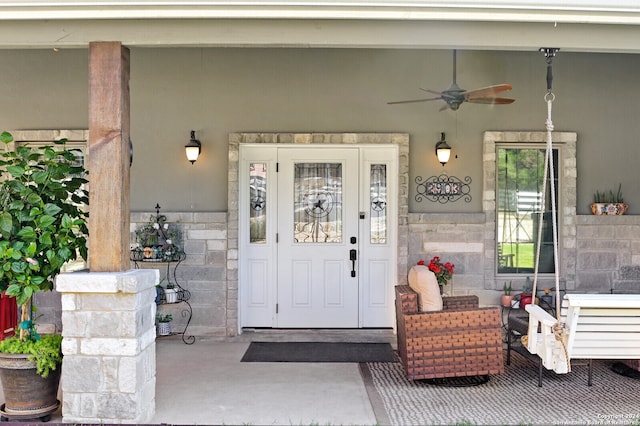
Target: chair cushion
x,y
425,283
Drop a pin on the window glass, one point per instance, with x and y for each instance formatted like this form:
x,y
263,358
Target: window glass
x,y
317,203
257,203
520,175
378,203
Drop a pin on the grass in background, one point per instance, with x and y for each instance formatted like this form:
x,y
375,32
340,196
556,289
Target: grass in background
x,y
523,254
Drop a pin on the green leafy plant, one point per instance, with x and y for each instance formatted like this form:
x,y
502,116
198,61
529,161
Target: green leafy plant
x,y
45,351
42,221
527,288
507,288
164,317
609,196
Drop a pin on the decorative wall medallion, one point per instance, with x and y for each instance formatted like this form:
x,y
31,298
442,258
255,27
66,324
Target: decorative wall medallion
x,y
443,188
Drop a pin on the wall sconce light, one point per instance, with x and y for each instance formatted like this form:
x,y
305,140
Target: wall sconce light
x,y
193,148
443,150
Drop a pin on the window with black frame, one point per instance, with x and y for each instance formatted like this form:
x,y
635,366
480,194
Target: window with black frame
x,y
519,179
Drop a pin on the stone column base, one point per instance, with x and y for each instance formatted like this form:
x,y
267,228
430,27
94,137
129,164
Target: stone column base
x,y
108,329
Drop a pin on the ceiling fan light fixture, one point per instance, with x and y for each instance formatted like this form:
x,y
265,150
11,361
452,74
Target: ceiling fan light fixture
x,y
443,150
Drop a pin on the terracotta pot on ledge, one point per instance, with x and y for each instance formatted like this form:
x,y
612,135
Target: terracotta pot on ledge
x,y
608,209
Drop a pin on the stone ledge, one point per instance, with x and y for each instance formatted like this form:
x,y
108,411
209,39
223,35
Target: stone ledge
x,y
132,281
457,247
626,219
448,218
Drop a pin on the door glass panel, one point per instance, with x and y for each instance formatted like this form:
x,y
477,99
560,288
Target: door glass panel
x,y
378,202
520,175
317,214
258,203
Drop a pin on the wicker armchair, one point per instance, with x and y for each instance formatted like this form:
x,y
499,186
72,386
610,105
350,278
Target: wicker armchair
x,y
461,340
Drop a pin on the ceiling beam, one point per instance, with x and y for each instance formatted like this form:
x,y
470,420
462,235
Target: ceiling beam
x,y
322,34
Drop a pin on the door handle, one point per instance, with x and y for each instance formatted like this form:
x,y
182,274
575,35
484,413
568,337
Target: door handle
x,y
353,256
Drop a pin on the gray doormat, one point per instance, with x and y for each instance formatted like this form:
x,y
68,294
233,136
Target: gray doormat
x,y
319,352
512,398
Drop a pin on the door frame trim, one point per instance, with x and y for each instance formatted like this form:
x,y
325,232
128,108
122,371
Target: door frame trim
x,y
237,139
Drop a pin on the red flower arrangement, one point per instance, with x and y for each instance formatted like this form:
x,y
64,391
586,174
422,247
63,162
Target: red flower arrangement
x,y
443,271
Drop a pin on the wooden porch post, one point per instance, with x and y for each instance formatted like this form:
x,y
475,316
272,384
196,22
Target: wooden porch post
x,y
109,157
108,373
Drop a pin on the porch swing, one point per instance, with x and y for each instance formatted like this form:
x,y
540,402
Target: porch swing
x,y
587,326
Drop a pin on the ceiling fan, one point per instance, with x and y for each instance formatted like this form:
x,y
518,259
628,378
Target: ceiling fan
x,y
454,96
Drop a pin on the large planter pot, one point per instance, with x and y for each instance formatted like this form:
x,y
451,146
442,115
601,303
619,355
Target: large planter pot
x,y
608,209
27,395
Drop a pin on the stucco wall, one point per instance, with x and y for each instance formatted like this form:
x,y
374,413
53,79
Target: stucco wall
x,y
218,91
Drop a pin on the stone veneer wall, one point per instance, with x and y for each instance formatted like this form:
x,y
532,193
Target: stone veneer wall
x,y
458,238
607,252
207,272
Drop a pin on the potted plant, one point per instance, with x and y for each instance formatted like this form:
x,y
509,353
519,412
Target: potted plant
x,y
608,203
507,297
164,324
42,226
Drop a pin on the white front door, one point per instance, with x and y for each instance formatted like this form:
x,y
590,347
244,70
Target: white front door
x,y
317,236
317,228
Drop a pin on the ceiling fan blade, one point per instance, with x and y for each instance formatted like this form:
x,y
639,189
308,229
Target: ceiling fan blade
x,y
498,101
413,101
443,107
486,92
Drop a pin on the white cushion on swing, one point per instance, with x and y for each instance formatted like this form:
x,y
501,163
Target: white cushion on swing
x,y
425,283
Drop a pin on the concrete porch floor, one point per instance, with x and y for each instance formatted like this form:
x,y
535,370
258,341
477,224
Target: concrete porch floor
x,y
205,383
